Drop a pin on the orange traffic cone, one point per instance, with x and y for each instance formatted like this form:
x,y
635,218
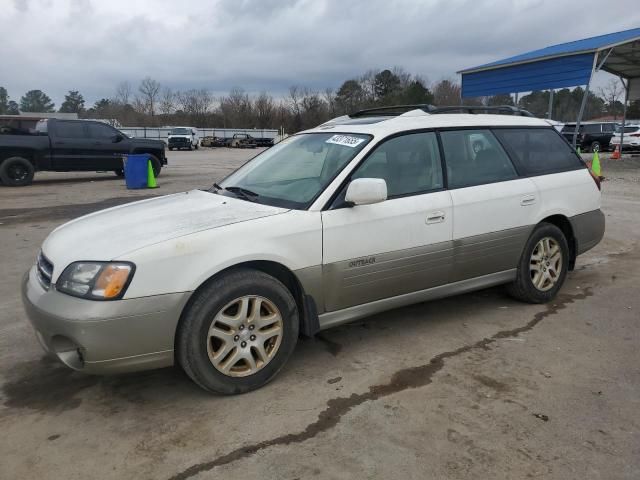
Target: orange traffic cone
x,y
616,153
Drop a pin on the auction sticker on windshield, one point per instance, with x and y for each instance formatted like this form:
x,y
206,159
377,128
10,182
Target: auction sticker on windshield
x,y
345,140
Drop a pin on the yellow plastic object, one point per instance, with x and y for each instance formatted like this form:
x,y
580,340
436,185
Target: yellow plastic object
x,y
151,178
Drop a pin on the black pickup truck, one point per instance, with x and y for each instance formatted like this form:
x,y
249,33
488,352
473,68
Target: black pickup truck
x,y
69,146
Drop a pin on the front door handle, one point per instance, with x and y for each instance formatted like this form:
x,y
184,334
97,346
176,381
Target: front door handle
x,y
435,217
528,200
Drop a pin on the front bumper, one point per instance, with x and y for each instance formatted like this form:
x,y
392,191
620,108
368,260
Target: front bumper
x,y
104,337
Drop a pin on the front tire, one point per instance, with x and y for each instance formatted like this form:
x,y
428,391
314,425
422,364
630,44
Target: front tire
x,y
156,165
238,332
543,266
16,172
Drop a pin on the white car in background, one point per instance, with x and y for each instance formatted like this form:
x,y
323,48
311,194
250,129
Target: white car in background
x,y
631,137
183,137
359,215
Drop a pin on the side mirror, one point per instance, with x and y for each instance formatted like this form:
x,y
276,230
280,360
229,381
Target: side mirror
x,y
365,191
117,138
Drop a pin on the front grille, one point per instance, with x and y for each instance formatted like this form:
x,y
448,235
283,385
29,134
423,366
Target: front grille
x,y
178,140
44,270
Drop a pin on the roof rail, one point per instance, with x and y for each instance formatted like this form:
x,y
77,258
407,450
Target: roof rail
x,y
391,111
498,110
395,110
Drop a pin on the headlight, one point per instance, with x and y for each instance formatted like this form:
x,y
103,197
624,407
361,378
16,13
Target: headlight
x,y
96,280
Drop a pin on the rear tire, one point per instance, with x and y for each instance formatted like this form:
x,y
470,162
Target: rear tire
x,y
16,172
543,266
233,318
119,172
595,147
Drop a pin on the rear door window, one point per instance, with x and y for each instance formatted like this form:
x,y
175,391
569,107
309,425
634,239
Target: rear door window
x,y
475,157
70,129
101,131
538,151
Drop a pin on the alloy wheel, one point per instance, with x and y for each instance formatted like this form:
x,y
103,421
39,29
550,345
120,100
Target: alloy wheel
x,y
545,264
244,336
17,172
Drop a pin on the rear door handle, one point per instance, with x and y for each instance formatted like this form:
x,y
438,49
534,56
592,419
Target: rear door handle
x,y
435,217
528,200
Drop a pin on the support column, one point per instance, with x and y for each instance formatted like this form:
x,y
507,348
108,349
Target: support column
x,y
550,109
624,111
584,100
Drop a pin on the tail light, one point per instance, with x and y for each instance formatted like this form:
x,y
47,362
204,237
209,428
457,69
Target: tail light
x,y
634,135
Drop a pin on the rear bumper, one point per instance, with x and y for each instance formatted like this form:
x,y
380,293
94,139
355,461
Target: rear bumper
x,y
103,337
588,229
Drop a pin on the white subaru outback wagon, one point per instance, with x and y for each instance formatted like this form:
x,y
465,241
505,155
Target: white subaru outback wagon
x,y
362,214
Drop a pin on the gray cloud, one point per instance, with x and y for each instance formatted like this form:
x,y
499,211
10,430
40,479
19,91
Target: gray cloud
x,y
91,45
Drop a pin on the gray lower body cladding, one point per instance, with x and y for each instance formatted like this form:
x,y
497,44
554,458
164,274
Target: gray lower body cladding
x,y
588,229
104,337
355,282
354,288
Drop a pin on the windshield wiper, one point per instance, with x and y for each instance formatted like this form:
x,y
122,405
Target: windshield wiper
x,y
244,193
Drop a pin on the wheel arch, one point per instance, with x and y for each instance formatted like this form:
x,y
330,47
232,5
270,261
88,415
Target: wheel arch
x,y
307,310
563,223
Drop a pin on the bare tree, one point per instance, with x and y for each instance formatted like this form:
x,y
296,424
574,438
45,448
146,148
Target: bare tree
x,y
123,93
403,76
612,93
446,92
236,109
264,110
313,109
330,100
149,90
167,101
196,103
368,84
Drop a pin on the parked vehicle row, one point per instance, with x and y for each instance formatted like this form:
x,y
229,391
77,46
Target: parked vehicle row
x,y
239,140
631,137
592,136
70,145
359,215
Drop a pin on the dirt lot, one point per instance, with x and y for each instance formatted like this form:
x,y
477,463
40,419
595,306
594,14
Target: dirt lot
x,y
477,386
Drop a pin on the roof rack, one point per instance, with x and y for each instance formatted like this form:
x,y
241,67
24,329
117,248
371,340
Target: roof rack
x,y
391,111
395,110
498,110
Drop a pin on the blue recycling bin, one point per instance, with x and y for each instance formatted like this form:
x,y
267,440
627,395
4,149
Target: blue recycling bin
x,y
135,170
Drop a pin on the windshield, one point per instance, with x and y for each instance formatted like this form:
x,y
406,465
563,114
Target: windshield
x,y
294,172
180,131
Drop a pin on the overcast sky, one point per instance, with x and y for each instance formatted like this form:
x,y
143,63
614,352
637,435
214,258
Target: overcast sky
x,y
91,45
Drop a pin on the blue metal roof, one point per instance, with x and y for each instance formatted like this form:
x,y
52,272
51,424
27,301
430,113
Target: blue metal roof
x,y
592,44
565,65
526,77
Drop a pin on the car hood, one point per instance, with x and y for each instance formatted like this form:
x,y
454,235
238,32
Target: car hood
x,y
111,233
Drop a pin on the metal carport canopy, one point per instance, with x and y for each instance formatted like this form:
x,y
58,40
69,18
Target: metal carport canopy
x,y
558,66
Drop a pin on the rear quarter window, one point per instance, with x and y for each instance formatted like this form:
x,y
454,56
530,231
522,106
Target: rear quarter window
x,y
538,151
